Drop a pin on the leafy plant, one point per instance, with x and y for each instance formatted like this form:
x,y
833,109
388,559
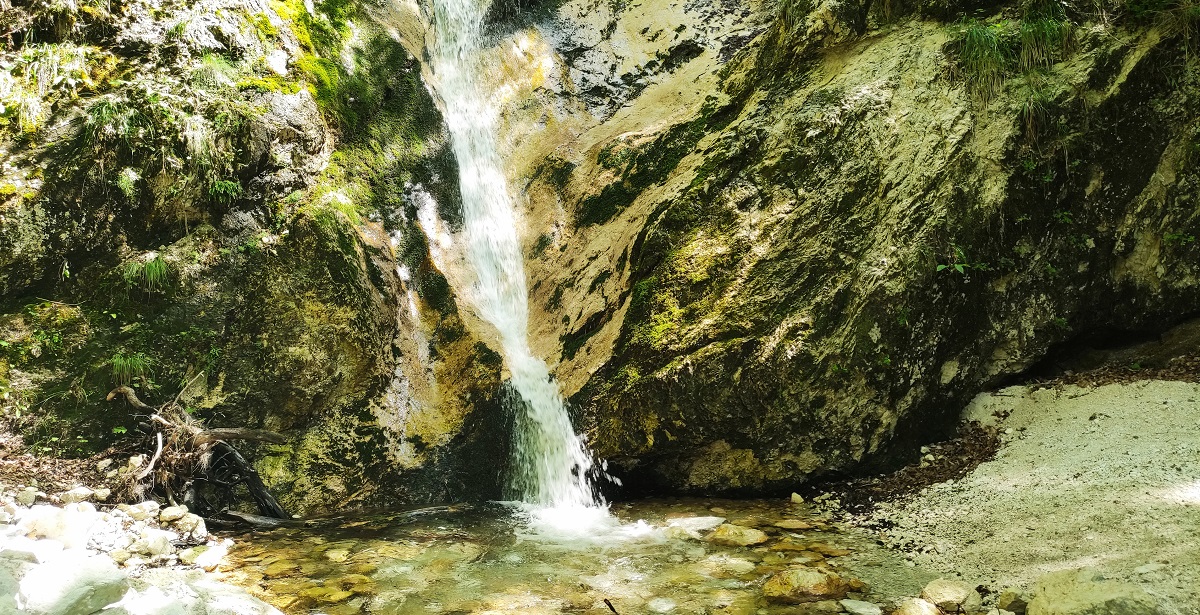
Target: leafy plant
x,y
127,368
224,191
959,262
1178,239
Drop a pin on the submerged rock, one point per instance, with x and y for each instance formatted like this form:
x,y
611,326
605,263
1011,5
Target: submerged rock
x,y
737,536
801,584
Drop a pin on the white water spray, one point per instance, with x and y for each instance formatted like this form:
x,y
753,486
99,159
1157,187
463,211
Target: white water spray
x,y
552,464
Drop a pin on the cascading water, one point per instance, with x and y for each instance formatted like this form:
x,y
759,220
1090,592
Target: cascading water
x,y
552,465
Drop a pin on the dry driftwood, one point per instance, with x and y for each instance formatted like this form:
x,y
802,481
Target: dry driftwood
x,y
199,465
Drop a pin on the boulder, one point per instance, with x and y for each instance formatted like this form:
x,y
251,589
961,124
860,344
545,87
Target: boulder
x,y
801,584
915,606
1086,592
737,536
952,596
87,585
1012,600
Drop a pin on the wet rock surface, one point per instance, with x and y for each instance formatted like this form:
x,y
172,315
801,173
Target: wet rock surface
x,y
73,559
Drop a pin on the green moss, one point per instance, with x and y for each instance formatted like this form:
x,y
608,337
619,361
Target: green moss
x,y
270,83
263,26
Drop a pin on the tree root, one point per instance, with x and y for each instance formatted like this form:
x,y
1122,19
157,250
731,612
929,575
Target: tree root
x,y
198,465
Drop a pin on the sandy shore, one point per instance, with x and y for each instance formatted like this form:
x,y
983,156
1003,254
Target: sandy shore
x,y
1105,477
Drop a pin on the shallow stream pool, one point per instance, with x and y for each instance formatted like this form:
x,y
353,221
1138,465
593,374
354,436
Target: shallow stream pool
x,y
652,556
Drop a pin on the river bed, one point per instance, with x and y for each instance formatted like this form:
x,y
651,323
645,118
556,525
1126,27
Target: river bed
x,y
484,559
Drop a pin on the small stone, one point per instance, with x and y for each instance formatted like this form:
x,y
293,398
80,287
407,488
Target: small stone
x,y
797,498
78,494
952,596
120,556
801,584
337,555
172,513
154,542
103,464
859,607
101,494
793,524
140,511
27,496
737,536
192,526
915,606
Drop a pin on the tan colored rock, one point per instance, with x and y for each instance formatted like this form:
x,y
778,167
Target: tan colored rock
x,y
793,524
1012,600
952,596
284,568
800,584
172,513
737,536
1086,592
828,550
915,606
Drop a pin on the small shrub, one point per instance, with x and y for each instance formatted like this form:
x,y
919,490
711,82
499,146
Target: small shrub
x,y
224,191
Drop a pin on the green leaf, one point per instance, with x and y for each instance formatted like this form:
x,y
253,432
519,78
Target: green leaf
x,y
958,268
941,267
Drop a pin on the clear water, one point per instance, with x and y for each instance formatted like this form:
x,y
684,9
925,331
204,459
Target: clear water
x,y
485,560
552,467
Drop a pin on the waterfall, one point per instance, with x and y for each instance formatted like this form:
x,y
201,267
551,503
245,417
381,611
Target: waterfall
x,y
552,465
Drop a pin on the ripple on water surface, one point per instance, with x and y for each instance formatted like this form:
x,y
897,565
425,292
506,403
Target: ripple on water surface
x,y
645,557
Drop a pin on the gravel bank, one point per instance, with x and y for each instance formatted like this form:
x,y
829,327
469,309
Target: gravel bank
x,y
1105,477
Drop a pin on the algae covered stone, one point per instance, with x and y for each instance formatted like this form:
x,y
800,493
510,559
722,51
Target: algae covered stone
x,y
802,584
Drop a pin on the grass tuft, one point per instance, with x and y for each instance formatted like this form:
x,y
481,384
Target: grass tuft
x,y
128,367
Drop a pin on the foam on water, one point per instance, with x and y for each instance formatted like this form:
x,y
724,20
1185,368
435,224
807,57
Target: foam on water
x,y
552,467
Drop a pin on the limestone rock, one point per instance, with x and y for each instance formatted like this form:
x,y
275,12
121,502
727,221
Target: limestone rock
x,y
802,584
1012,600
737,536
1086,592
78,494
172,513
85,586
952,596
191,526
915,606
860,607
696,524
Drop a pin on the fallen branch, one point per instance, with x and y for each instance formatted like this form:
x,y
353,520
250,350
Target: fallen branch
x,y
199,463
153,460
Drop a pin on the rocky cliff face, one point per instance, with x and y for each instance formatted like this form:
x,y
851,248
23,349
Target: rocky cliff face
x,y
229,201
766,241
774,242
